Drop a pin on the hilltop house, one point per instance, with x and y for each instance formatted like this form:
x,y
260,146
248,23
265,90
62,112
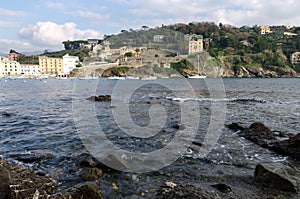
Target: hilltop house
x,y
295,58
265,30
195,44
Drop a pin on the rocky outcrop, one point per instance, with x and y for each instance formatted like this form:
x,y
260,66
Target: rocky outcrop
x,y
178,191
85,191
100,98
20,182
279,176
17,182
281,143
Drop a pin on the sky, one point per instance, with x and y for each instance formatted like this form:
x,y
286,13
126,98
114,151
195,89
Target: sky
x,y
36,25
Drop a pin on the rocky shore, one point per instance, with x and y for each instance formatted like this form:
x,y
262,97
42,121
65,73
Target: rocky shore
x,y
186,178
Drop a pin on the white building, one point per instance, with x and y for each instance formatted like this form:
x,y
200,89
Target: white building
x,y
9,68
30,69
69,63
1,58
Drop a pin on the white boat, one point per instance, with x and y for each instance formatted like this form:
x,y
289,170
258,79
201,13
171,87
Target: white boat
x,y
149,78
116,78
132,77
197,76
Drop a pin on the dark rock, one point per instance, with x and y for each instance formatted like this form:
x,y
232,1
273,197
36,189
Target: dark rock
x,y
100,98
31,158
24,183
278,176
4,183
273,140
177,126
290,147
257,132
235,127
222,187
178,191
89,174
6,114
85,191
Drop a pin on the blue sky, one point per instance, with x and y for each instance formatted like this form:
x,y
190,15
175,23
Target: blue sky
x,y
43,24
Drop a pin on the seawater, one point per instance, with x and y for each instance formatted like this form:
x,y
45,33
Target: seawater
x,y
42,124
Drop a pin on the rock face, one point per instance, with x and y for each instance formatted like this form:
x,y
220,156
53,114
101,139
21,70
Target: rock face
x,y
178,191
17,182
278,176
263,136
100,98
20,182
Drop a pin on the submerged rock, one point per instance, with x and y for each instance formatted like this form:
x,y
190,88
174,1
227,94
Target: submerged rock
x,y
6,114
222,187
178,191
279,176
290,147
89,174
263,136
100,98
85,191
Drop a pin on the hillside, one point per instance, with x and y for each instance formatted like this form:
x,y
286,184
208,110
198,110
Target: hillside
x,y
229,51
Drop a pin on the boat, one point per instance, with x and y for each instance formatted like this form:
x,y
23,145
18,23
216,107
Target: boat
x,y
198,76
116,78
149,78
132,77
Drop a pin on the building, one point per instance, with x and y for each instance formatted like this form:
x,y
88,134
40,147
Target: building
x,y
9,68
195,44
265,30
69,63
290,34
1,58
30,70
50,65
14,56
295,58
158,38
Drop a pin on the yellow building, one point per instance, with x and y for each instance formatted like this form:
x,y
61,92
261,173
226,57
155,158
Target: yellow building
x,y
9,68
195,44
265,30
50,65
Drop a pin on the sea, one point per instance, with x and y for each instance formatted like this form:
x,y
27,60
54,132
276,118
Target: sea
x,y
153,131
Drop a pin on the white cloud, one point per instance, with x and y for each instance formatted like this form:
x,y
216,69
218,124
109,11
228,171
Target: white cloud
x,y
7,45
93,16
235,12
11,13
51,35
55,5
8,24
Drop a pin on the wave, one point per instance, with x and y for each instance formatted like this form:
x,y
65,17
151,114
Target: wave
x,y
238,100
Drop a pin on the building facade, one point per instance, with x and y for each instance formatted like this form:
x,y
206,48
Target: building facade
x,y
14,56
195,44
295,58
69,63
265,30
9,68
50,65
30,70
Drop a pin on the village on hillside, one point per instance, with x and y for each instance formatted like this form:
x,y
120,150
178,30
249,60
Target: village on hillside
x,y
162,49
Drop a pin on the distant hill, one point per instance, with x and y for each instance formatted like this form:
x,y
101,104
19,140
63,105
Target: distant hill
x,y
3,54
